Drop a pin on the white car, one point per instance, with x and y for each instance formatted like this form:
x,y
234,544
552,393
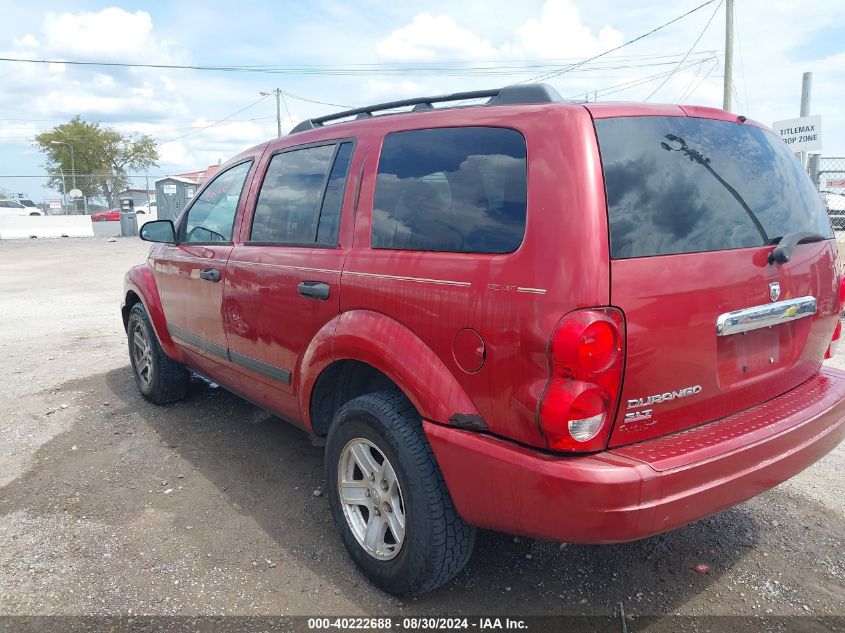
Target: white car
x,y
16,207
147,209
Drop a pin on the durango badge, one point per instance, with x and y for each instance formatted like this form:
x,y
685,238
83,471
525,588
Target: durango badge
x,y
664,397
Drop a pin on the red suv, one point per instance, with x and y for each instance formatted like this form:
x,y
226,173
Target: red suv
x,y
582,322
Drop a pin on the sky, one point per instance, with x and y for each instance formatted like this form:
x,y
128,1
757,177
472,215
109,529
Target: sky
x,y
415,48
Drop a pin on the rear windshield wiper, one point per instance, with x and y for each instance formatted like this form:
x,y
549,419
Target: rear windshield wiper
x,y
788,242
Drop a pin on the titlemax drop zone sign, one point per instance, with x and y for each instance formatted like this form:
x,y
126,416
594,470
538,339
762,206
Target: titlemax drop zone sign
x,y
803,134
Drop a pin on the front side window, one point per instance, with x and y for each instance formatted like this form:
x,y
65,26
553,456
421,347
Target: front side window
x,y
451,189
212,216
300,198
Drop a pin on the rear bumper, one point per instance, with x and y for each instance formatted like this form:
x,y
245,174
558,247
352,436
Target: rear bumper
x,y
643,489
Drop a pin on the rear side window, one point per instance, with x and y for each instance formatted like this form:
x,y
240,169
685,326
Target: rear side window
x,y
687,185
301,196
451,189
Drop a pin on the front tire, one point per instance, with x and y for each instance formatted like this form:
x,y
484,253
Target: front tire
x,y
159,379
388,497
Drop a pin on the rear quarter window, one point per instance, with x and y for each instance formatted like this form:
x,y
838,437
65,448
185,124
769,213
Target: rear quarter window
x,y
685,185
451,189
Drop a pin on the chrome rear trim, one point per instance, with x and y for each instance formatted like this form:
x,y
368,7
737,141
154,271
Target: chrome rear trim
x,y
767,315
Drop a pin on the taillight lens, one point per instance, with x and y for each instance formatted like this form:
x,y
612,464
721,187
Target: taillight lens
x,y
842,294
834,340
837,332
586,357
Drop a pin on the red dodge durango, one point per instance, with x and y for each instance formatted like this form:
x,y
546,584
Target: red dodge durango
x,y
583,322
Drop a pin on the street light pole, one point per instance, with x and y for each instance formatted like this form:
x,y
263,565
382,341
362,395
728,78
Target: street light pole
x,y
72,167
278,93
64,193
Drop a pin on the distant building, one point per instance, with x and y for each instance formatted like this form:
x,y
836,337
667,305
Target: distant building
x,y
139,196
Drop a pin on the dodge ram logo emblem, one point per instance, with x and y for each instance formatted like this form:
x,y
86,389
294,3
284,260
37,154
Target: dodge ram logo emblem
x,y
774,290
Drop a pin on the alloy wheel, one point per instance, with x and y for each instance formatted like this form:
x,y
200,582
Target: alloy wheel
x,y
371,499
142,355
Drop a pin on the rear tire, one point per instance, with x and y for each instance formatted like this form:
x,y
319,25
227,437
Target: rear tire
x,y
434,543
159,379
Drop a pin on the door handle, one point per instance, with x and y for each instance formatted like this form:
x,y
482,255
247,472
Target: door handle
x,y
210,274
314,290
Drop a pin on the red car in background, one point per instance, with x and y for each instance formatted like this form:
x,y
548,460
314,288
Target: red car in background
x,y
109,215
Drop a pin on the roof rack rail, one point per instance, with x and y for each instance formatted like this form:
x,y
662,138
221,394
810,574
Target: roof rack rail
x,y
527,93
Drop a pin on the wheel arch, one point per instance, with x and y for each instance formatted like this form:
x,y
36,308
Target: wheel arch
x,y
140,287
362,351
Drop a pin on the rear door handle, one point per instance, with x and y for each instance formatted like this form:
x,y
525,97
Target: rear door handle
x,y
314,290
210,274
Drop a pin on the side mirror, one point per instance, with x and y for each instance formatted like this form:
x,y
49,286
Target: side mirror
x,y
159,231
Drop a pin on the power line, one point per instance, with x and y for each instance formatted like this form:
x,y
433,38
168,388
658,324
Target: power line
x,y
691,48
636,81
689,94
298,98
330,69
170,140
741,64
691,81
153,122
623,45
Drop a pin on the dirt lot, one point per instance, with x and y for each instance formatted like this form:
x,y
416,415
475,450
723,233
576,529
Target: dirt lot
x,y
110,505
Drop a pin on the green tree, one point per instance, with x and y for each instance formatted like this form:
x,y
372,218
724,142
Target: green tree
x,y
102,157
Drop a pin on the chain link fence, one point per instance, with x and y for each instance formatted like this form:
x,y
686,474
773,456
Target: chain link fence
x,y
70,194
829,175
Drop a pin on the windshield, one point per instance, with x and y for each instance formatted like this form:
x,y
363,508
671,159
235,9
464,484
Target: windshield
x,y
686,185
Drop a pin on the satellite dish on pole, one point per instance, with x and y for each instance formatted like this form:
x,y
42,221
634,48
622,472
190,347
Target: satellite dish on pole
x,y
75,193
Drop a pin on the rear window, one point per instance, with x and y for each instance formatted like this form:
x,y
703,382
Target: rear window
x,y
687,185
451,189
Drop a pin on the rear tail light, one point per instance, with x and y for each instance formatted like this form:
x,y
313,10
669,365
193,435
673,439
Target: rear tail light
x,y
834,340
842,294
837,332
586,357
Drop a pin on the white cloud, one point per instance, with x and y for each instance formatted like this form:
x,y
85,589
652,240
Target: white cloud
x,y
103,80
377,88
168,83
557,32
18,131
138,102
175,153
27,41
430,36
113,34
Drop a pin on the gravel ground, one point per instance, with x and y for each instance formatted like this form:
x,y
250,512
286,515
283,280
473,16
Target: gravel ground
x,y
110,505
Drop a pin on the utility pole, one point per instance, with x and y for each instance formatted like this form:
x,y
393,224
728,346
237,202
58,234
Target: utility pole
x,y
278,93
729,55
806,89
